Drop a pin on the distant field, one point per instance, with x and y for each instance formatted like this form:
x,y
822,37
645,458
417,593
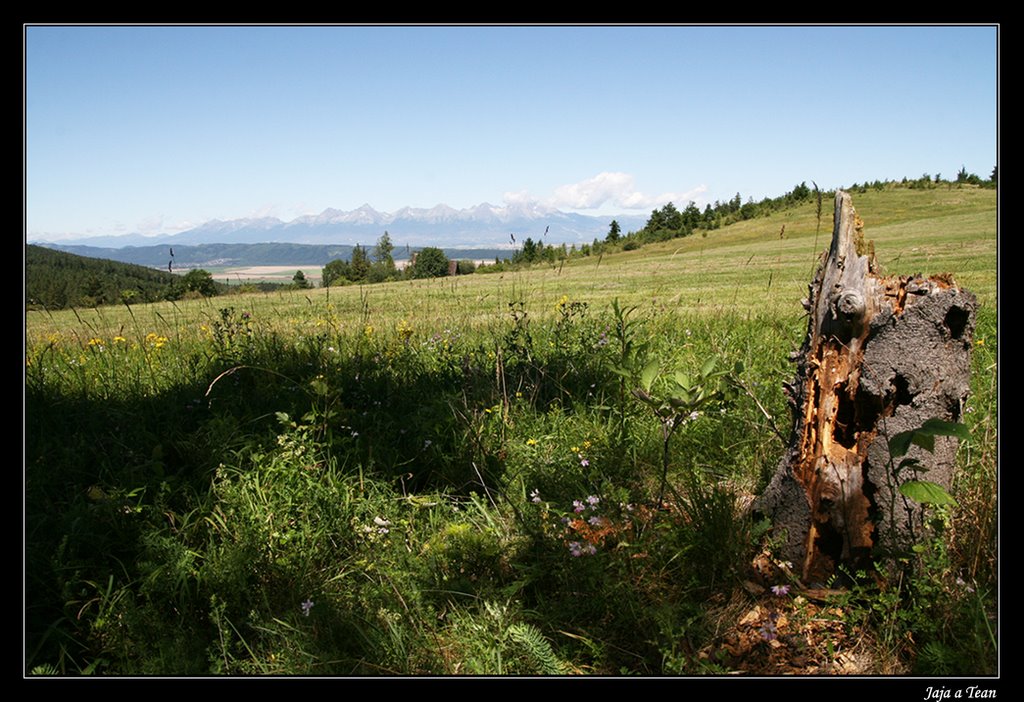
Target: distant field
x,y
269,274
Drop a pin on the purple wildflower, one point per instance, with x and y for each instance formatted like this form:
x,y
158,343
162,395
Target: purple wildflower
x,y
306,606
768,629
577,506
780,590
575,549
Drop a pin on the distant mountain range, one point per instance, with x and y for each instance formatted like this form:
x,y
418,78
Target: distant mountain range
x,y
483,226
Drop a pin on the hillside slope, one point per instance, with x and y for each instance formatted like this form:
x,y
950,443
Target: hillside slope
x,y
54,279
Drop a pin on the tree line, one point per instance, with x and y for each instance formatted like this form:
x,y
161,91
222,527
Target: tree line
x,y
378,265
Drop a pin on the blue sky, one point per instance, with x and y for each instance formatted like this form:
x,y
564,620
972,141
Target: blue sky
x,y
159,129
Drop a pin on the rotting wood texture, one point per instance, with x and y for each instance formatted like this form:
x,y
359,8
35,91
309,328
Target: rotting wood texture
x,y
881,356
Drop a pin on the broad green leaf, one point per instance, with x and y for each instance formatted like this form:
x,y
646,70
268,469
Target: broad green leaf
x,y
926,492
899,444
924,436
925,441
938,427
648,375
708,367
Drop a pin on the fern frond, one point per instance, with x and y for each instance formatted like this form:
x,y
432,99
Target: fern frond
x,y
533,643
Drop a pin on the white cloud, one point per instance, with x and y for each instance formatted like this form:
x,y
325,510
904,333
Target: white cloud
x,y
611,189
518,197
592,193
151,225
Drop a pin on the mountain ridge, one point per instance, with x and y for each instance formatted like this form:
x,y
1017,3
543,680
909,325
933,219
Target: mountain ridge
x,y
480,226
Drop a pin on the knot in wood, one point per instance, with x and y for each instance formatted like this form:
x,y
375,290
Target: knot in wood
x,y
850,305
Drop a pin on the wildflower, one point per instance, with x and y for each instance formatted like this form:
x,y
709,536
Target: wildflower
x,y
980,342
575,449
780,590
962,583
95,342
355,434
427,443
575,549
535,496
768,629
592,500
584,462
590,549
155,340
577,506
119,340
595,521
531,442
306,606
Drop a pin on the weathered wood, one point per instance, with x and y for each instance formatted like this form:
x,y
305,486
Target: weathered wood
x,y
881,356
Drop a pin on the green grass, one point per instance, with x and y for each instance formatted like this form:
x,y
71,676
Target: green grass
x,y
407,456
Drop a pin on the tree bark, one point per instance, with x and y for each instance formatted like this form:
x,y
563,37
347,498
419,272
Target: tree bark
x,y
881,356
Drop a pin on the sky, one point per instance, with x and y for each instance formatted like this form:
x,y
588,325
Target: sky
x,y
157,129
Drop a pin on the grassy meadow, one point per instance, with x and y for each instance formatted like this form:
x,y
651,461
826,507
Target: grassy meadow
x,y
453,476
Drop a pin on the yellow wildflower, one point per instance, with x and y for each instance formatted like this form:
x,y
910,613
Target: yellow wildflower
x,y
368,331
531,442
119,340
95,342
404,330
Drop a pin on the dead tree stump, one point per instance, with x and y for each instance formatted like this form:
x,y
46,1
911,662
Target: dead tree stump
x,y
881,356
